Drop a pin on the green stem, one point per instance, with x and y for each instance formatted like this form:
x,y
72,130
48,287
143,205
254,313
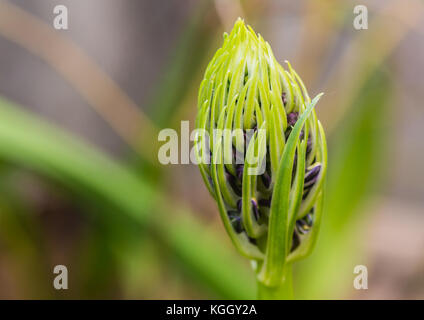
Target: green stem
x,y
282,292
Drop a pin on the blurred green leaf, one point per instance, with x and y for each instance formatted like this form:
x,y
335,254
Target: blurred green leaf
x,y
184,64
31,142
355,166
213,259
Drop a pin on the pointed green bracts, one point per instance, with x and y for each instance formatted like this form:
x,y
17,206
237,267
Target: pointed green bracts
x,y
262,153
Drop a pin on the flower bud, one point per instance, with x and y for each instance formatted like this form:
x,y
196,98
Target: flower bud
x,y
267,152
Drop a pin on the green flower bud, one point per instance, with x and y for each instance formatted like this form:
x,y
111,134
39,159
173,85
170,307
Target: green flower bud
x,y
272,215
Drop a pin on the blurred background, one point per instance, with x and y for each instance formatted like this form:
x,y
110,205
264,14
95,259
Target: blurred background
x,y
80,184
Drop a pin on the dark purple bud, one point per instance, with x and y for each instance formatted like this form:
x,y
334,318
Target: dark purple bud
x,y
239,205
312,173
265,203
266,179
311,176
292,118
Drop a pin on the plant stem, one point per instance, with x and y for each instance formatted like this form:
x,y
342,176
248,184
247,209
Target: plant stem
x,y
282,292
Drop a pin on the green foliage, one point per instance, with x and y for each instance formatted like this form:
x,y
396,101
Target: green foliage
x,y
355,169
32,143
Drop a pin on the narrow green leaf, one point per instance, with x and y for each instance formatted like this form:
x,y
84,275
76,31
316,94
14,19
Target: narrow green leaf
x,y
276,251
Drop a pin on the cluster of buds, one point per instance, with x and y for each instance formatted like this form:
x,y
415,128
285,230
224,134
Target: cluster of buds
x,y
268,158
